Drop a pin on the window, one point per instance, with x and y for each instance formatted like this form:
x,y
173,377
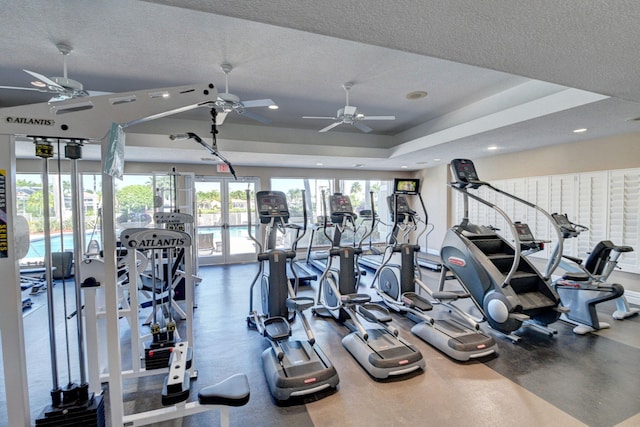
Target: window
x,y
292,188
30,204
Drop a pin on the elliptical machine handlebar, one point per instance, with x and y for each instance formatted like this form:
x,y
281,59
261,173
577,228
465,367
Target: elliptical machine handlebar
x,y
249,227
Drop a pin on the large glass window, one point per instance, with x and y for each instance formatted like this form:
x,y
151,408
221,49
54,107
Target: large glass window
x,y
30,204
359,191
292,187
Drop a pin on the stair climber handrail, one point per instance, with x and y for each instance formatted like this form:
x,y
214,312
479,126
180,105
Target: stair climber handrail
x,y
514,232
554,261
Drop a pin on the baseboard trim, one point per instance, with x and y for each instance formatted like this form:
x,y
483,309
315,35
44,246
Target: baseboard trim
x,y
633,297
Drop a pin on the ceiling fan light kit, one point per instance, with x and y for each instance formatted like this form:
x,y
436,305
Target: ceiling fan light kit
x,y
349,115
229,103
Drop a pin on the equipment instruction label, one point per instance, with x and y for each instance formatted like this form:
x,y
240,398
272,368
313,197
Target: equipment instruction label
x,y
4,240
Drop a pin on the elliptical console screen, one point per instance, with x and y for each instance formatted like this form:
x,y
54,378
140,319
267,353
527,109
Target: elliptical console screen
x,y
406,186
340,204
463,170
272,204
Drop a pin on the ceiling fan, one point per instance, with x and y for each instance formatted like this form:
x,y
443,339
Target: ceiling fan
x,y
62,87
350,115
228,102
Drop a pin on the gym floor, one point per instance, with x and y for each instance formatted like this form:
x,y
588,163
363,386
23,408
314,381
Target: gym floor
x,y
567,380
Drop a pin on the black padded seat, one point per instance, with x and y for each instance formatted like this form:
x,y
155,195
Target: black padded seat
x,y
234,391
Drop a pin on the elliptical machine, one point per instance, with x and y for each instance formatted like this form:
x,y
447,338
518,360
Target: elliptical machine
x,y
581,288
378,349
292,368
450,330
504,285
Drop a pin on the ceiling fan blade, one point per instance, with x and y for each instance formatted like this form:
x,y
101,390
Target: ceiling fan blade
x,y
46,80
97,93
220,116
362,127
377,118
318,117
258,103
331,126
255,116
22,88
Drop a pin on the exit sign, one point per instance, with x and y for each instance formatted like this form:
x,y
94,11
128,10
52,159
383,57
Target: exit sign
x,y
223,168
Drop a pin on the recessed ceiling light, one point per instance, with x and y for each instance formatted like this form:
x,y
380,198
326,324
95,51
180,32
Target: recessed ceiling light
x,y
404,167
493,147
580,130
436,160
273,107
318,164
418,94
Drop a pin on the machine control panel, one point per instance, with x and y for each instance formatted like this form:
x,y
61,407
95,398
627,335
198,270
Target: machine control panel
x,y
341,207
272,204
524,232
340,204
464,172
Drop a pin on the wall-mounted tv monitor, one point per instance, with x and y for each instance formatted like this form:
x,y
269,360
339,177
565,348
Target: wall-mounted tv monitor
x,y
406,186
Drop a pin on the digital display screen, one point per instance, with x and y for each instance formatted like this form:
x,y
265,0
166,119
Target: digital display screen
x,y
272,204
464,170
406,186
340,203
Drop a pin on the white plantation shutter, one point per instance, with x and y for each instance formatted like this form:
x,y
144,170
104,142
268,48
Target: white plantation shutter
x,y
592,211
624,215
562,200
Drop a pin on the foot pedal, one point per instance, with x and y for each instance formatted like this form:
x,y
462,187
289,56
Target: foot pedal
x,y
374,313
277,328
355,298
300,303
519,316
413,300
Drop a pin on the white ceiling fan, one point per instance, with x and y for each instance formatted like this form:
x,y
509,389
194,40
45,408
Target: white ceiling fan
x,y
350,115
62,87
228,102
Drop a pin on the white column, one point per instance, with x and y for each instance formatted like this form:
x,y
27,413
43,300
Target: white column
x,y
111,297
11,325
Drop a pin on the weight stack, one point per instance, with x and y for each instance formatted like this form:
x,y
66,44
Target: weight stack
x,y
87,414
157,356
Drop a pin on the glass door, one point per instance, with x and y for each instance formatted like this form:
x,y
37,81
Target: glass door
x,y
221,220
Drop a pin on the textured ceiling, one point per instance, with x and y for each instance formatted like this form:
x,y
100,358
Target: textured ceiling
x,y
475,59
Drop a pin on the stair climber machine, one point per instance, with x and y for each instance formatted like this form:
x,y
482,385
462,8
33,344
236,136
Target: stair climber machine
x,y
293,368
509,291
447,327
581,288
377,347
